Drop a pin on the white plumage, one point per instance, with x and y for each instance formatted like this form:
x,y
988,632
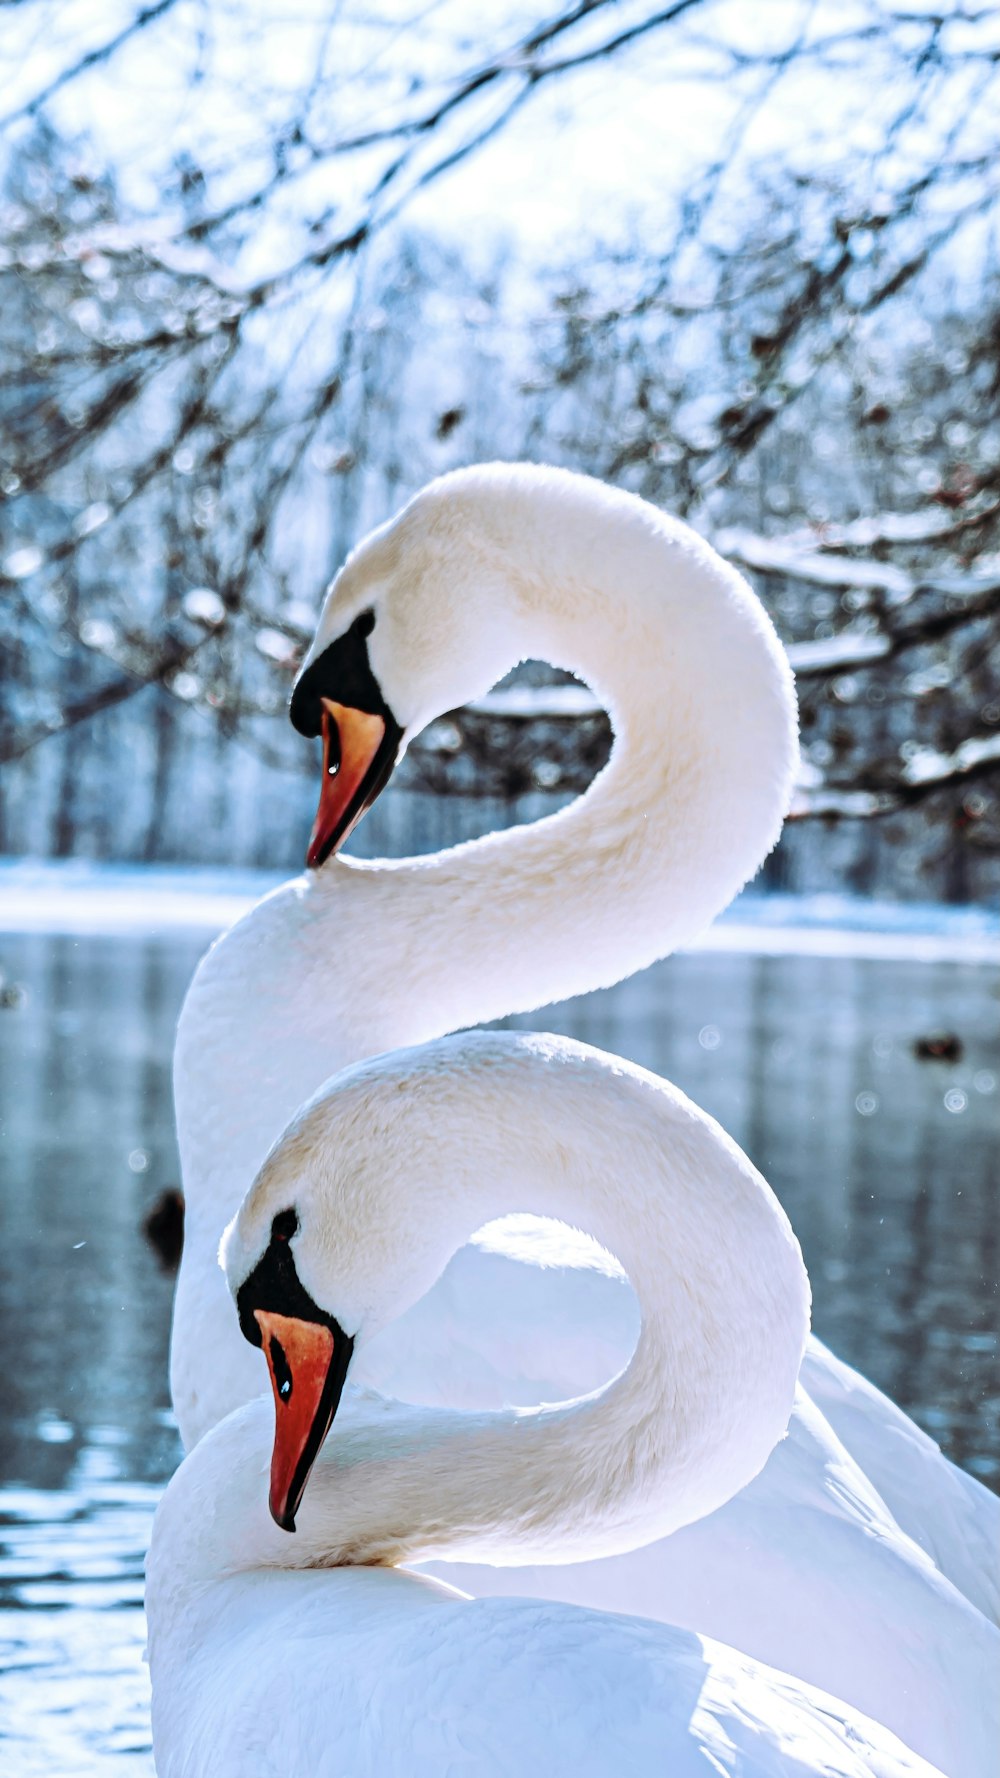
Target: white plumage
x,y
265,1662
284,1663
862,1566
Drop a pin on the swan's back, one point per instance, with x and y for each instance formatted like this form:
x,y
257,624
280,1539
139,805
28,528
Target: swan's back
x,y
947,1512
377,1673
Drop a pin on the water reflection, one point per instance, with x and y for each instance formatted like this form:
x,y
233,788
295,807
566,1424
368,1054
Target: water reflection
x,y
74,1693
883,1160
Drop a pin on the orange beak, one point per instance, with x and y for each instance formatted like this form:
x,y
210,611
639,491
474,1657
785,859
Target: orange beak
x,y
307,1384
352,740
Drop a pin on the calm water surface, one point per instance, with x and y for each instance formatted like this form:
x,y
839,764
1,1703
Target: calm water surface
x,y
886,1163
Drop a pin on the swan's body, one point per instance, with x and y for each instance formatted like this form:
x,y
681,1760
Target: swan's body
x,y
261,1663
358,958
262,1672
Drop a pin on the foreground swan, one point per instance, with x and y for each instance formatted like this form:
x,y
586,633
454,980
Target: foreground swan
x,y
260,1664
809,1568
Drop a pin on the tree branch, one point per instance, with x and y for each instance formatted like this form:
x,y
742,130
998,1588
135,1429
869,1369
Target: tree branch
x,y
92,59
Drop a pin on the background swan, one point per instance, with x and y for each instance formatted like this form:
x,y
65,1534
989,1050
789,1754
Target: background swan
x,y
483,568
259,1664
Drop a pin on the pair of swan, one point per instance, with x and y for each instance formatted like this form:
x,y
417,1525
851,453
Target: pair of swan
x,y
858,1560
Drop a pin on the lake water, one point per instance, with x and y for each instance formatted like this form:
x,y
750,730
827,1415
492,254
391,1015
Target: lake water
x,y
886,1163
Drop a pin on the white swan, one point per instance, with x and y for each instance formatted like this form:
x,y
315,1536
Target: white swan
x,y
260,1664
807,1569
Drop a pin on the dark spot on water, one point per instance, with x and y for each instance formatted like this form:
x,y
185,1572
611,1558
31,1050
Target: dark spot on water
x,y
163,1227
939,1046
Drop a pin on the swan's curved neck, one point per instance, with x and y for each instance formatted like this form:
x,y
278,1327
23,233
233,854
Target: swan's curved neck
x,y
701,701
543,1125
361,957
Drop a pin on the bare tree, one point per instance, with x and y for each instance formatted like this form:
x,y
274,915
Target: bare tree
x,y
802,358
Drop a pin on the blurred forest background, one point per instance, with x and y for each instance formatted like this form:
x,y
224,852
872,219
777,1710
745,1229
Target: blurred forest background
x,y
264,272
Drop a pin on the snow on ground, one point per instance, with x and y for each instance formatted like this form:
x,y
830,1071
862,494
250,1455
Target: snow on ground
x,y
77,898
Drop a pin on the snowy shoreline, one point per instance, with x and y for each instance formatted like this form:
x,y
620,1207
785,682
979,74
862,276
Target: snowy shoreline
x,y
76,898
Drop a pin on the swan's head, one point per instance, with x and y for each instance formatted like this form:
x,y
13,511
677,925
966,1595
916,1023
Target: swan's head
x,y
489,565
351,1219
422,617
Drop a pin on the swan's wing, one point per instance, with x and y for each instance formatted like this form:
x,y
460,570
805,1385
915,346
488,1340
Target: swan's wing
x,y
550,1689
531,1313
948,1513
318,1684
806,1569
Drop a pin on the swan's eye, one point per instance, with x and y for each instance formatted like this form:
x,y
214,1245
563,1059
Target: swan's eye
x,y
284,1225
365,623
